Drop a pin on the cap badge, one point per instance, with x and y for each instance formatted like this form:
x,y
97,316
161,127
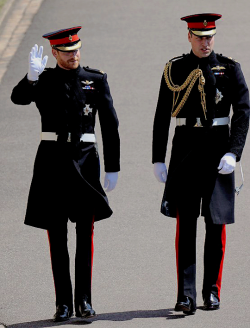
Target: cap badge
x,y
70,38
205,23
218,96
87,110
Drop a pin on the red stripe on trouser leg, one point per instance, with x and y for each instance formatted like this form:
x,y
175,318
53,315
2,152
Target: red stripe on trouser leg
x,y
51,259
177,245
223,244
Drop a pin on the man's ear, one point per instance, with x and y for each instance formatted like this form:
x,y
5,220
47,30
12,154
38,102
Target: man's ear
x,y
189,36
54,53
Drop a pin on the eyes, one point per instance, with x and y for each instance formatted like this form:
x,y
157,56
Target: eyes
x,y
208,38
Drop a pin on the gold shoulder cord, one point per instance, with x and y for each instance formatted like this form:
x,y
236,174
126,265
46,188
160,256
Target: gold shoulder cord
x,y
189,83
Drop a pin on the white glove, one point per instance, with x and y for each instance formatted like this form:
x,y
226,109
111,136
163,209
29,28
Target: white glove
x,y
160,172
110,180
36,63
227,163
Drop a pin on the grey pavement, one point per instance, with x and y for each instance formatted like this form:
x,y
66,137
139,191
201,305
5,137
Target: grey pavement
x,y
134,275
15,19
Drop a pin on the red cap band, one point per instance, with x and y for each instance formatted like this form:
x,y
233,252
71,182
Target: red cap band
x,y
204,25
68,39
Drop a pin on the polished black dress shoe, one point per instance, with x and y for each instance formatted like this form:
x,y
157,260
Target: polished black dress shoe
x,y
186,306
84,309
63,313
211,303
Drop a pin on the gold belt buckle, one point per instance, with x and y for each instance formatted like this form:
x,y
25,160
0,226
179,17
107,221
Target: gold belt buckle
x,y
198,123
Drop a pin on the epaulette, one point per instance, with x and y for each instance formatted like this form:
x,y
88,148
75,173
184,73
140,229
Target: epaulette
x,y
93,70
233,59
229,59
178,57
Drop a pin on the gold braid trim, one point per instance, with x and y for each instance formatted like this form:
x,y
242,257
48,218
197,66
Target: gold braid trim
x,y
189,83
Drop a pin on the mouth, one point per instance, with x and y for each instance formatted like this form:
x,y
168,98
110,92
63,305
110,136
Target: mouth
x,y
205,50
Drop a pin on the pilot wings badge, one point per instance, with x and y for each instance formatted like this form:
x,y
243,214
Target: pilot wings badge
x,y
218,96
87,85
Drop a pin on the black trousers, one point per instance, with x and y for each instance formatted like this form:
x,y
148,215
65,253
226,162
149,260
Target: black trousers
x,y
58,241
214,250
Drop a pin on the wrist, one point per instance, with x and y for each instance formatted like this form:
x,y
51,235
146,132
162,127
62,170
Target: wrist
x,y
233,155
31,82
30,79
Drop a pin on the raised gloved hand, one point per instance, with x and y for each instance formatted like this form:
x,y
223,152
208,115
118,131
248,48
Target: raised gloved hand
x,y
110,181
36,63
160,172
227,163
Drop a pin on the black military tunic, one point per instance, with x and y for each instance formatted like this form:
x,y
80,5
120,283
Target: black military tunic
x,y
66,174
196,152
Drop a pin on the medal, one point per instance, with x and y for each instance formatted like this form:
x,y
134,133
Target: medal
x,y
87,110
218,70
218,96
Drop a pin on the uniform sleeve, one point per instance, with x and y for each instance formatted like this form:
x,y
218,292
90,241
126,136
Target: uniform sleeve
x,y
241,112
23,93
109,127
162,122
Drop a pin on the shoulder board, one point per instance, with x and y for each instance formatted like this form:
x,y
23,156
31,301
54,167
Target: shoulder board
x,y
228,59
233,59
93,70
178,57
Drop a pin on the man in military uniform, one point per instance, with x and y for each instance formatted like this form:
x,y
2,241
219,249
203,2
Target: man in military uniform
x,y
198,89
65,182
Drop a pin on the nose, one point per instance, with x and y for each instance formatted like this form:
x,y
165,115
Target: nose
x,y
204,41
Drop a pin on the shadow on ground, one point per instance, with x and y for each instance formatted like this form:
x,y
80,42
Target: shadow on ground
x,y
119,316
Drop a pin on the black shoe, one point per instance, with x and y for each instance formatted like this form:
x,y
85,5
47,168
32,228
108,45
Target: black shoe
x,y
84,309
62,313
211,303
186,306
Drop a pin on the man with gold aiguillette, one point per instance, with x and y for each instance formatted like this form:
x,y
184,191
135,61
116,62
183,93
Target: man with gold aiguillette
x,y
198,90
66,182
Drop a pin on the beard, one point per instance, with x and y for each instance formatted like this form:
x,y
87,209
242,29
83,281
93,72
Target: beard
x,y
69,64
